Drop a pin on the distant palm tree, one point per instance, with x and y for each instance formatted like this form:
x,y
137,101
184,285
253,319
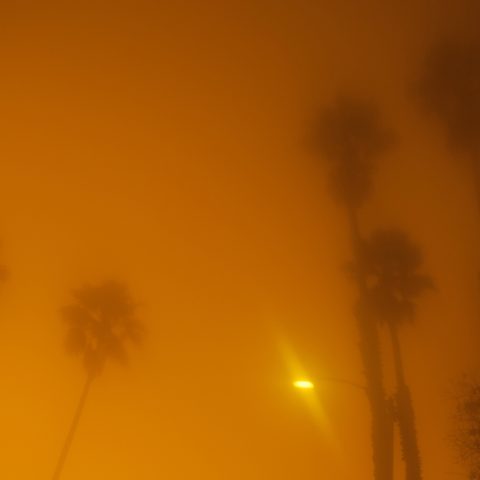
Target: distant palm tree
x,y
350,137
395,284
467,426
449,90
100,322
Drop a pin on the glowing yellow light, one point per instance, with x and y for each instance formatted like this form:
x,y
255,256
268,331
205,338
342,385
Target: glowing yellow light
x,y
304,384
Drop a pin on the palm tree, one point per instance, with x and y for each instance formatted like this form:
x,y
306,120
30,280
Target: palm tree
x,y
467,432
351,138
392,262
449,91
100,322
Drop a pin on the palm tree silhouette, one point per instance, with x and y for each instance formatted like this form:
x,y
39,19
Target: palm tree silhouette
x,y
448,90
351,137
100,322
467,432
392,263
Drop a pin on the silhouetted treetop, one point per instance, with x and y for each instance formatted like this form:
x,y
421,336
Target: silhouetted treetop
x,y
101,320
392,263
449,88
350,135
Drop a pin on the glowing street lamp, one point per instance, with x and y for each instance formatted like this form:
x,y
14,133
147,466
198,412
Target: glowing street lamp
x,y
303,384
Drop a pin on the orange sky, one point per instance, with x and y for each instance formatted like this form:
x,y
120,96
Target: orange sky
x,y
163,143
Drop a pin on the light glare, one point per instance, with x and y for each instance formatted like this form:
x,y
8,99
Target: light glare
x,y
303,384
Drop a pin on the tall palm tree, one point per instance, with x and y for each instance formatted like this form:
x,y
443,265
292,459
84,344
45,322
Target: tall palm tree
x,y
395,285
100,323
350,136
449,91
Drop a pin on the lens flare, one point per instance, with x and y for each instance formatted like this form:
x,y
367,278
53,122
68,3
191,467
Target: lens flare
x,y
303,384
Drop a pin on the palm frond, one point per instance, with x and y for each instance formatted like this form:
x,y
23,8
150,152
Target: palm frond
x,y
449,89
392,262
100,322
350,136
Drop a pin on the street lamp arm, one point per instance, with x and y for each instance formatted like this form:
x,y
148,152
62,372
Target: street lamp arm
x,y
346,382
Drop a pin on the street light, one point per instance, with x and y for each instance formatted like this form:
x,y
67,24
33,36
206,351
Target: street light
x,y
304,384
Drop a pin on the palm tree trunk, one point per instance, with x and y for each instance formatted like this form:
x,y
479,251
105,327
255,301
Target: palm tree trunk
x,y
380,407
405,413
476,177
397,354
73,429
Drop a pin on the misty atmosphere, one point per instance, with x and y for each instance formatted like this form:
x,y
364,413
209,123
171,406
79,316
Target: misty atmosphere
x,y
239,240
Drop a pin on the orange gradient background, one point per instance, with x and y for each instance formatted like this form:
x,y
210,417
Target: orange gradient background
x,y
165,144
